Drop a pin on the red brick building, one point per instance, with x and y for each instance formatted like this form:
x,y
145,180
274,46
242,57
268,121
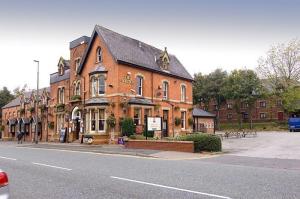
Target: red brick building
x,y
264,110
112,74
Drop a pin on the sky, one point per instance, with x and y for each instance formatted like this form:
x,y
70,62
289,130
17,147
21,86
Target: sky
x,y
204,35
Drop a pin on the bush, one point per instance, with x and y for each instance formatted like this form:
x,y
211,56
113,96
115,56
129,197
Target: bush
x,y
111,121
150,134
204,142
127,126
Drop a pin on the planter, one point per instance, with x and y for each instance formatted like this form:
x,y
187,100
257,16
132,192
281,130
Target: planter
x,y
181,146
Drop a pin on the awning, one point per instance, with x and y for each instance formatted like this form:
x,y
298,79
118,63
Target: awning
x,y
12,121
96,101
140,101
197,112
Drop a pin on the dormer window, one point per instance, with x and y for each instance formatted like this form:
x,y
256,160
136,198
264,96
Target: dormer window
x,y
164,60
99,55
61,70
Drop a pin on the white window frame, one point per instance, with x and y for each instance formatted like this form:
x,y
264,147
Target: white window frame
x,y
183,119
183,93
77,64
94,86
139,86
104,86
99,55
165,90
104,120
139,118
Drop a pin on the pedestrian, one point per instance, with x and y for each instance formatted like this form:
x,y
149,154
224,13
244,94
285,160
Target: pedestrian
x,y
20,137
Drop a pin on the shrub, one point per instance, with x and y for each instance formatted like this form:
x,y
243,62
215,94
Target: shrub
x,y
51,125
204,142
111,121
127,126
177,121
76,97
150,134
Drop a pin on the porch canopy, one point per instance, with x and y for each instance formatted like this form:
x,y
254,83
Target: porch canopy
x,y
140,101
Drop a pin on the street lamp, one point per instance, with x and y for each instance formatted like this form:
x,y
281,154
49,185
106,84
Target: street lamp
x,y
37,101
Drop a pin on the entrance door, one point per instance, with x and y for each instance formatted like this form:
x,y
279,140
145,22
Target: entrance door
x,y
77,128
165,127
280,116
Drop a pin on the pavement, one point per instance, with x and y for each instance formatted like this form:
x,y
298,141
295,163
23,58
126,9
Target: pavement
x,y
280,145
60,173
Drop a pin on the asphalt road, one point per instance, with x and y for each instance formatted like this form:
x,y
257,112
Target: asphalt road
x,y
42,173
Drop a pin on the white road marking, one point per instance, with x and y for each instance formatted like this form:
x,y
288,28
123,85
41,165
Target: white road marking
x,y
173,188
7,158
47,165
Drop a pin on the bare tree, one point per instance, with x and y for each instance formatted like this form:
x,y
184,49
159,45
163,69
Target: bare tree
x,y
281,66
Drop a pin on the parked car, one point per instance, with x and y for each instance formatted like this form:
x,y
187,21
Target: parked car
x,y
4,191
294,124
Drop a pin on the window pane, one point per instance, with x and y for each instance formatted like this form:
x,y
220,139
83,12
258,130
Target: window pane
x,y
101,85
93,120
139,85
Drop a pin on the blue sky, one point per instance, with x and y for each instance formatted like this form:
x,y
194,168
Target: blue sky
x,y
204,35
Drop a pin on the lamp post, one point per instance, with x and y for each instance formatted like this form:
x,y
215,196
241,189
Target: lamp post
x,y
37,102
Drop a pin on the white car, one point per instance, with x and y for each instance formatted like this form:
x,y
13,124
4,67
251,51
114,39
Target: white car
x,y
4,191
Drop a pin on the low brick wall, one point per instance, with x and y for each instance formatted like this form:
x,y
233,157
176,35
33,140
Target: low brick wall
x,y
181,146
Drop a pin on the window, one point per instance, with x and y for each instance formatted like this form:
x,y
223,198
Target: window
x,y
60,123
183,119
263,104
244,105
99,55
93,120
183,93
94,86
229,106
229,116
77,64
139,85
61,70
279,103
101,120
137,116
101,85
262,115
245,116
61,95
77,89
165,90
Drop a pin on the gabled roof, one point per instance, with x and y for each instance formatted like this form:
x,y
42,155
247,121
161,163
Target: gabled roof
x,y
132,52
197,112
16,101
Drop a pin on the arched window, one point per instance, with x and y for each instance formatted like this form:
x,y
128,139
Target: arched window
x,y
101,85
77,89
139,85
61,95
77,64
165,90
94,86
99,54
183,93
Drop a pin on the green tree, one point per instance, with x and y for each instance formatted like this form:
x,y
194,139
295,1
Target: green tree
x,y
291,99
243,86
209,88
5,96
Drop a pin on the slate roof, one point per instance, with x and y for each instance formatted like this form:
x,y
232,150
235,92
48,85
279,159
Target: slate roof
x,y
16,101
130,51
197,112
140,101
55,77
96,101
80,40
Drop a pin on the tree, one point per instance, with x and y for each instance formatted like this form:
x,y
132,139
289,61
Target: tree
x,y
291,99
5,97
20,91
281,66
243,86
209,88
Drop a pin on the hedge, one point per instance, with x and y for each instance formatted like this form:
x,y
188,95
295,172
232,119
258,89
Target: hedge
x,y
127,126
203,142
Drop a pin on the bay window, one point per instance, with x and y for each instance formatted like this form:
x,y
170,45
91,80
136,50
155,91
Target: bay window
x,y
101,85
101,120
137,116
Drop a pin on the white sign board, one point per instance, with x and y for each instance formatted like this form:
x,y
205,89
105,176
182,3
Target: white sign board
x,y
154,124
